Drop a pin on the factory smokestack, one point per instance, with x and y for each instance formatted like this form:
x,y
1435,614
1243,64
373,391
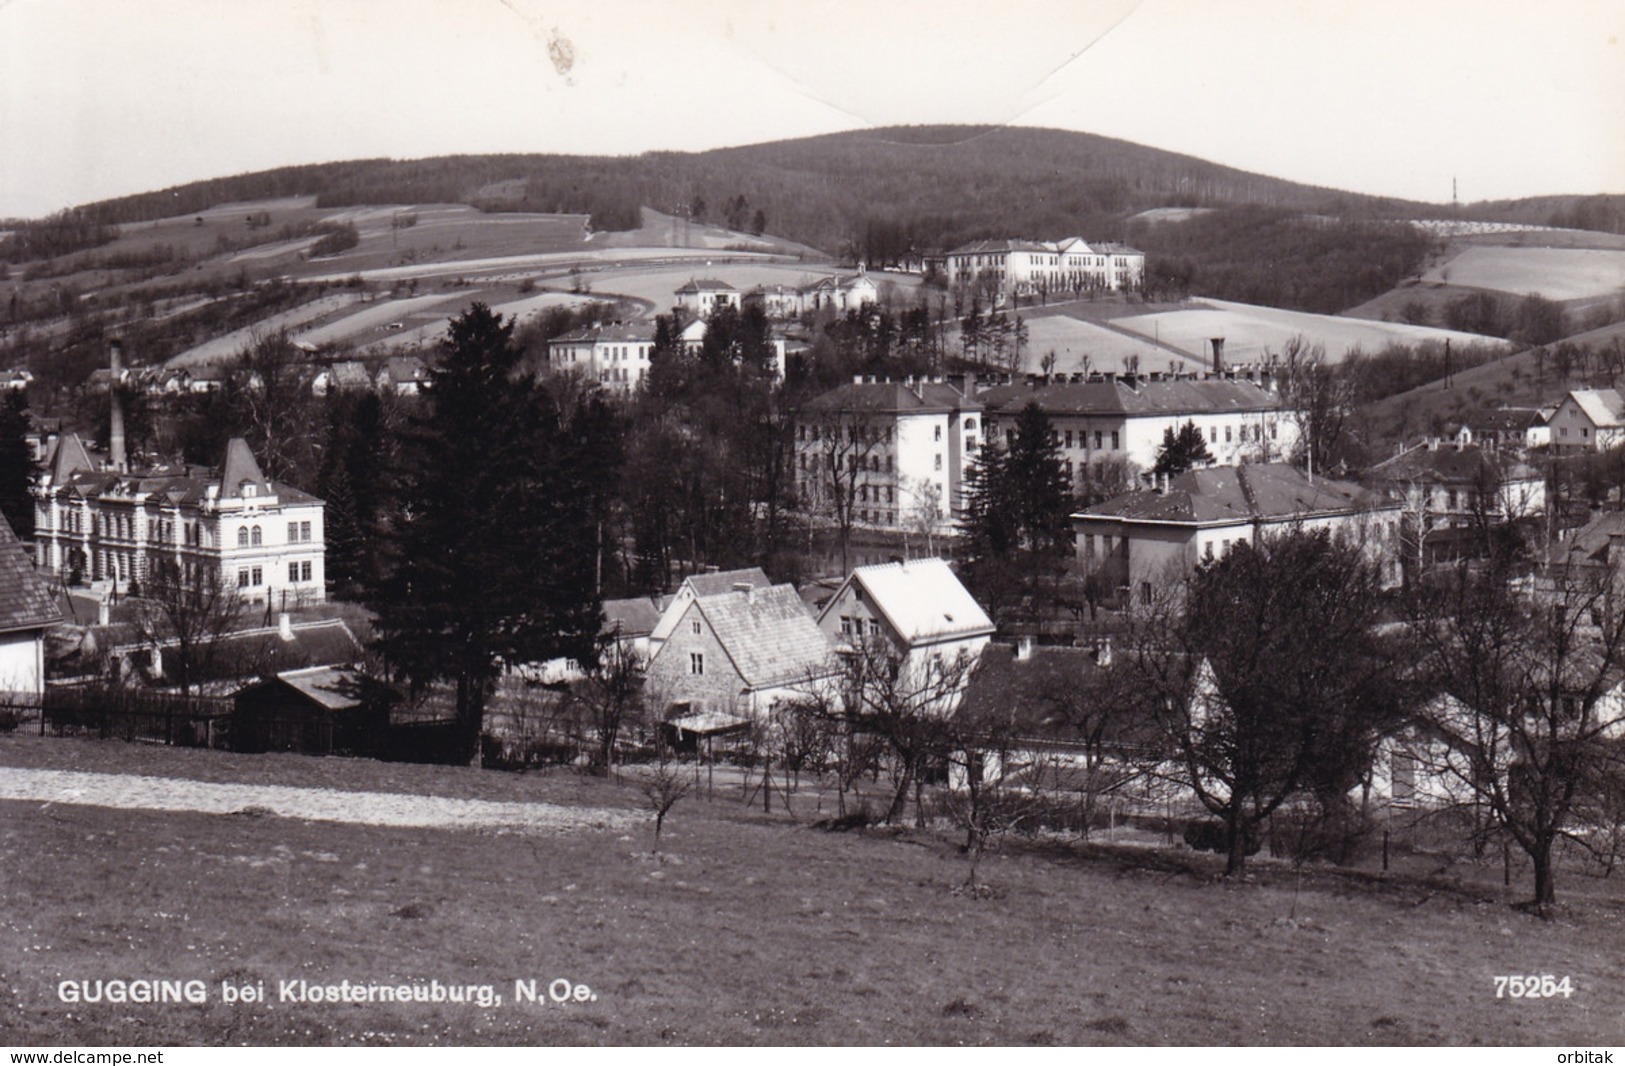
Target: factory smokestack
x,y
115,421
1218,355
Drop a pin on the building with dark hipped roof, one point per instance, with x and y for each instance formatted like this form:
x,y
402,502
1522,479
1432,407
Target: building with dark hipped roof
x,y
1140,540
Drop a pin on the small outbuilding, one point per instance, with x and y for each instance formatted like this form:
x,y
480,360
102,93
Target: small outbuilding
x,y
316,711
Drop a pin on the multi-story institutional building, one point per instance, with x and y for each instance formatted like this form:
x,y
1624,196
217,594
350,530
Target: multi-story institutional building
x,y
616,356
887,454
96,522
1008,268
1124,418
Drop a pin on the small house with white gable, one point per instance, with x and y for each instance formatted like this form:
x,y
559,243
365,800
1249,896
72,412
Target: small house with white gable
x,y
1588,420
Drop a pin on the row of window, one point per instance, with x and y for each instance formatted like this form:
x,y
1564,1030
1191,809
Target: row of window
x,y
119,527
852,626
254,576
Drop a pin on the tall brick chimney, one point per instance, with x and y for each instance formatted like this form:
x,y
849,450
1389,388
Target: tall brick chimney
x,y
1218,355
115,431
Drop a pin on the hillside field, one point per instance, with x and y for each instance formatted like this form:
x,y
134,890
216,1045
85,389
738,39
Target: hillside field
x,y
1253,333
1555,273
745,928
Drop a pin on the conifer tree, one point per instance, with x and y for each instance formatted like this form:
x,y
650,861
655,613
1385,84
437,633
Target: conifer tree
x,y
491,548
17,467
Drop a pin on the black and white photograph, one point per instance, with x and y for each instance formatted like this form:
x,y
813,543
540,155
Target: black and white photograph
x,y
576,523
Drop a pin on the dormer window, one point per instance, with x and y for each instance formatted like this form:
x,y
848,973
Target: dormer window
x,y
248,489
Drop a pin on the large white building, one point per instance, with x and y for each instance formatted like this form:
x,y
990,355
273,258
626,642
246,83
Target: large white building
x,y
887,454
1124,418
261,537
616,356
1008,268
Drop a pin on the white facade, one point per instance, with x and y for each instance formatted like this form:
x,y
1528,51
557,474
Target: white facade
x,y
1025,268
901,449
1588,420
262,538
1126,420
22,663
617,357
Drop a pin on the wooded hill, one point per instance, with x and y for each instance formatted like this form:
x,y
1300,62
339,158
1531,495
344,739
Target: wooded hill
x,y
874,192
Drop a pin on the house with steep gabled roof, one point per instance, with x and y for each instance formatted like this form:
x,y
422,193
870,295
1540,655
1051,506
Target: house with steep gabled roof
x,y
916,613
915,605
1588,420
1140,540
739,652
403,375
28,608
693,586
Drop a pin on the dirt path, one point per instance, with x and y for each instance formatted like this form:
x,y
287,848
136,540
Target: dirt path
x,y
315,804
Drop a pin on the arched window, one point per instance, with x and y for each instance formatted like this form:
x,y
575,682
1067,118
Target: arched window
x,y
242,537
258,540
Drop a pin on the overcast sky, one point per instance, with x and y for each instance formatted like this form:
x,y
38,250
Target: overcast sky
x,y
100,98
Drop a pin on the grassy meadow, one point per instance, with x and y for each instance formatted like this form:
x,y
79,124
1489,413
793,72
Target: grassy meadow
x,y
744,928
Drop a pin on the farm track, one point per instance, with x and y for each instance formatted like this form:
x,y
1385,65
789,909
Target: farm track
x,y
133,792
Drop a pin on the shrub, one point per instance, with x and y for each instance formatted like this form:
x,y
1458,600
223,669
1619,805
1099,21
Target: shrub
x,y
1209,835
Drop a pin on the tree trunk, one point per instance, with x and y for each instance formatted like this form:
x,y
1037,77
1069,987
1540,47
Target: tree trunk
x,y
470,718
1545,877
1236,864
899,798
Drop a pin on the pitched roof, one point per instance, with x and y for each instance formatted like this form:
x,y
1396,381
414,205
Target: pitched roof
x,y
1001,247
68,455
768,634
635,617
724,581
1449,464
614,333
893,397
26,601
707,285
1605,407
921,598
1034,694
1142,398
329,687
1592,542
241,468
1226,494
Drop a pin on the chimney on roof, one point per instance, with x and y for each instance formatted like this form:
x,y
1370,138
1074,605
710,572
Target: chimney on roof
x,y
1024,649
115,432
1218,354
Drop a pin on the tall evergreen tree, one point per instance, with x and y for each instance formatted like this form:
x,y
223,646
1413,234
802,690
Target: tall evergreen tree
x,y
17,467
1181,451
491,547
1018,513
